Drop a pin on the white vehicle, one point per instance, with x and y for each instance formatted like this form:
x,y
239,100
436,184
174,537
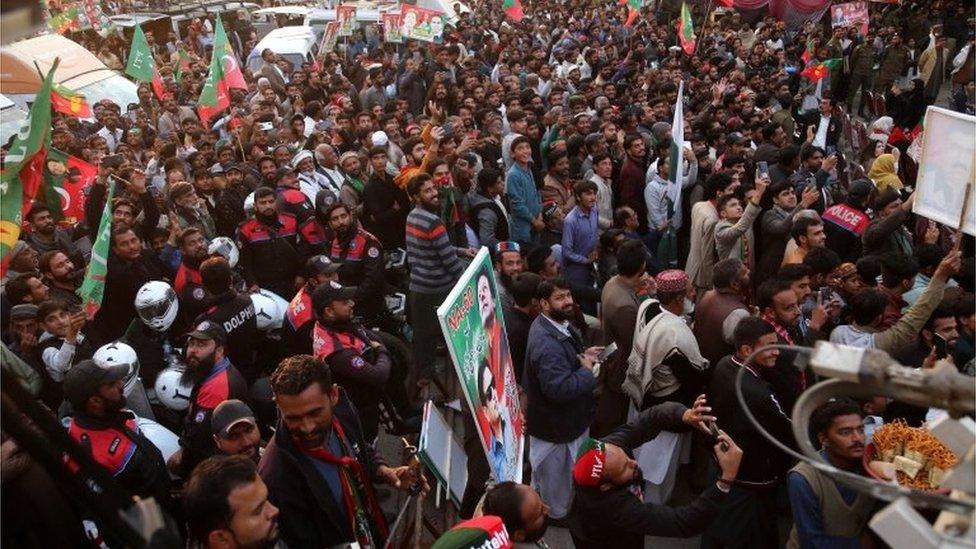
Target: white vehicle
x,y
79,70
296,44
11,117
266,20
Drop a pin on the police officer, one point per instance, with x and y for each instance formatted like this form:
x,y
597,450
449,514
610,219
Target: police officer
x,y
234,313
296,331
363,265
359,361
187,282
110,433
215,380
268,242
291,199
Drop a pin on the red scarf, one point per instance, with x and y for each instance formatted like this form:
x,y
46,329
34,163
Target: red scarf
x,y
365,516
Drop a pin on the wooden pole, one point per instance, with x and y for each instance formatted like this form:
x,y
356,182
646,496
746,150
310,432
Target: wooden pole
x,y
962,215
698,40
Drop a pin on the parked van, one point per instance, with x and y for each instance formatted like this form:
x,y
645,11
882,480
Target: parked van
x,y
296,44
266,20
22,64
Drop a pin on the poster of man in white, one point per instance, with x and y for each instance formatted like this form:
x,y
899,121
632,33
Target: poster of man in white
x,y
946,167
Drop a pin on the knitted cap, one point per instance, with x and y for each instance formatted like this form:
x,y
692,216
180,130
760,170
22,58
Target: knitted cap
x,y
486,531
672,280
590,459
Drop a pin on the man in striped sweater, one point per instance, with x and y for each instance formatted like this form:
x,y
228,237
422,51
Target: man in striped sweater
x,y
435,266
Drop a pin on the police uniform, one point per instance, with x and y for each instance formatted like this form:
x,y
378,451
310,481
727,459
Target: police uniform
x,y
363,267
235,314
223,382
188,285
269,253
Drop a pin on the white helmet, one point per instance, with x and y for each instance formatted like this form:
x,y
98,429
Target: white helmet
x,y
172,390
117,352
226,248
157,305
249,205
269,309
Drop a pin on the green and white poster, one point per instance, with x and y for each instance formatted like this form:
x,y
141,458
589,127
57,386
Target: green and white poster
x,y
474,328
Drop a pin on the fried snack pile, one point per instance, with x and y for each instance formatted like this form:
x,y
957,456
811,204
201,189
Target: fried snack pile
x,y
920,461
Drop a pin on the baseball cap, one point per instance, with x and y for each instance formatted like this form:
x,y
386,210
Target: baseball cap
x,y
85,378
320,264
861,188
209,330
590,459
483,531
229,413
285,170
330,292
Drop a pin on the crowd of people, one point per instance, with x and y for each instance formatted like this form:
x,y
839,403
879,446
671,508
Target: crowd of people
x,y
251,254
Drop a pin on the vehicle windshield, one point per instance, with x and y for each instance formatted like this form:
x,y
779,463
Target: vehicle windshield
x,y
116,88
10,120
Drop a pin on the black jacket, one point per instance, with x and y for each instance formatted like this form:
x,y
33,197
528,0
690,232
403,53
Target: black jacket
x,y
269,253
363,266
235,313
766,463
380,217
95,203
310,517
616,518
122,283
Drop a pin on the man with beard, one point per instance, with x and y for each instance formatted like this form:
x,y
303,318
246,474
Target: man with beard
x,y
434,268
559,383
328,162
234,313
235,430
296,331
215,380
45,235
521,508
229,210
189,209
824,510
310,180
268,244
608,502
226,505
362,265
351,193
187,282
508,263
355,355
110,433
385,206
318,466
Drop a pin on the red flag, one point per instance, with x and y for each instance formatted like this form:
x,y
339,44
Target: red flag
x,y
157,84
820,70
724,3
69,102
80,176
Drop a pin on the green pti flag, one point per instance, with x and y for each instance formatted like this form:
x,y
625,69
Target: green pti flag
x,y
225,73
686,30
140,65
23,167
92,289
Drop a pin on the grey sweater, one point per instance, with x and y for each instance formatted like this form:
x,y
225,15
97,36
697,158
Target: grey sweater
x,y
434,262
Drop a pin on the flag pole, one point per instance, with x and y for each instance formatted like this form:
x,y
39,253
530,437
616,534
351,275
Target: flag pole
x,y
708,9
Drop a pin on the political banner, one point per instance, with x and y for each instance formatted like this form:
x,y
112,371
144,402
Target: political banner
x,y
474,328
852,14
946,167
421,24
66,180
330,37
391,28
346,16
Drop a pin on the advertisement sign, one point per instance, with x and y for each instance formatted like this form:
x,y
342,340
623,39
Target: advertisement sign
x,y
421,24
391,28
852,14
945,168
474,328
346,16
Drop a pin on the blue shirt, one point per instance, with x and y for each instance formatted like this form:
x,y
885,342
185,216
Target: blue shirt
x,y
524,202
580,236
808,519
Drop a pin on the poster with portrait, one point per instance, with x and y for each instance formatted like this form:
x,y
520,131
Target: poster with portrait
x,y
346,16
851,14
421,24
329,37
474,329
391,28
947,165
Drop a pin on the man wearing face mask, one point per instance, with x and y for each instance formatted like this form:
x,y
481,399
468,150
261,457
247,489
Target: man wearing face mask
x,y
215,380
110,433
608,502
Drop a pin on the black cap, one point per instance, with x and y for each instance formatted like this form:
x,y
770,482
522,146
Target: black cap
x,y
209,330
233,166
330,292
861,188
85,378
320,264
229,413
